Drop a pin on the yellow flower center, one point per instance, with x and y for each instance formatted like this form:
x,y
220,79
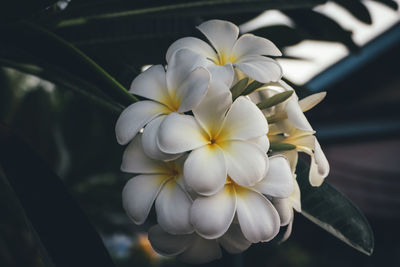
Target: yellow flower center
x,y
174,171
234,188
173,102
224,58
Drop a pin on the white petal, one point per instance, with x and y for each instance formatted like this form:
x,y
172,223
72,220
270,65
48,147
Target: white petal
x,y
201,251
177,165
233,240
262,142
193,89
296,115
258,218
139,194
319,168
260,68
211,111
179,133
151,84
285,210
248,45
173,209
243,121
224,74
245,161
134,117
221,34
288,232
193,44
149,141
181,64
311,101
211,216
239,75
295,198
167,244
205,170
279,179
135,160
305,143
292,156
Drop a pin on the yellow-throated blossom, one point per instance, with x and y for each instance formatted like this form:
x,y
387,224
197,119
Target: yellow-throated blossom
x,y
221,137
259,221
203,159
288,124
246,53
159,182
179,89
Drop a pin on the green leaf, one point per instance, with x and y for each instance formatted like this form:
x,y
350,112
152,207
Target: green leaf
x,y
17,9
275,100
176,8
51,49
22,244
252,87
390,3
62,226
281,35
72,82
316,26
332,211
239,87
357,9
281,147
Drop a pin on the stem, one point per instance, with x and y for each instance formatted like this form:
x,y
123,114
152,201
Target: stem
x,y
118,88
37,71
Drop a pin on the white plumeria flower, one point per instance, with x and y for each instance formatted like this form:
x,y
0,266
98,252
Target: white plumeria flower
x,y
227,51
159,182
179,89
259,221
306,142
288,118
224,139
194,249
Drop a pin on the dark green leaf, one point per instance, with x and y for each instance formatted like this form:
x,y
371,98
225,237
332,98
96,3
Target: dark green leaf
x,y
62,226
357,9
239,87
17,9
78,15
275,100
316,26
281,35
19,240
237,19
52,49
53,74
390,3
252,87
281,147
329,209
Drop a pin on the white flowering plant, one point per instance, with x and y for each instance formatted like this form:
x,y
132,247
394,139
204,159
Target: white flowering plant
x,y
214,154
215,142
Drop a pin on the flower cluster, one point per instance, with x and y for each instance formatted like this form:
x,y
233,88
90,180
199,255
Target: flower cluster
x,y
204,156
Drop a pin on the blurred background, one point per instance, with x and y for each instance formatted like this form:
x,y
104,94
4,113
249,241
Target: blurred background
x,y
351,49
